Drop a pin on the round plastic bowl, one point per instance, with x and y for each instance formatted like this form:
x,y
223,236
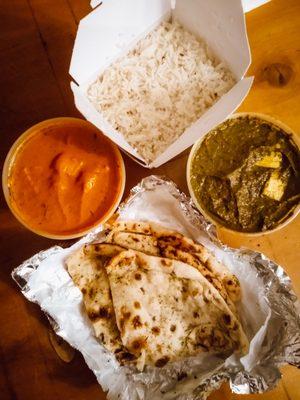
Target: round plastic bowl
x,y
289,217
52,123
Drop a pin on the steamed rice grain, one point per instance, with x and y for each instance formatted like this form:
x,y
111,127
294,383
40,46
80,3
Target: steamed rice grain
x,y
161,87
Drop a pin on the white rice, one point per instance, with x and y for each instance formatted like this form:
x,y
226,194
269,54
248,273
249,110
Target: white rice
x,y
163,85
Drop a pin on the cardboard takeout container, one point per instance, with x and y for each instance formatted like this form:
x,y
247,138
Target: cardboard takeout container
x,y
115,26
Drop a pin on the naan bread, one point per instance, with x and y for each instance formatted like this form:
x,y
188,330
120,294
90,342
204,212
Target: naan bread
x,y
157,247
89,274
165,298
168,240
166,236
229,280
136,241
166,310
102,249
155,240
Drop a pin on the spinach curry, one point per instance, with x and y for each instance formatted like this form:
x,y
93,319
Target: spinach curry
x,y
246,174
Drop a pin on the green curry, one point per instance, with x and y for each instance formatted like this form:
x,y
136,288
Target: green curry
x,y
246,174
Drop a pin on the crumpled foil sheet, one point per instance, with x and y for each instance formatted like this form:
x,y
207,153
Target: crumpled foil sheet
x,y
269,310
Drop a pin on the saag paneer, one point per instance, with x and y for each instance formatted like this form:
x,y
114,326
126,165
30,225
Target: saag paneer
x,y
246,174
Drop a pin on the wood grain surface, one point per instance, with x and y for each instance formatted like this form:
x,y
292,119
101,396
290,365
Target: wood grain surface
x,y
36,39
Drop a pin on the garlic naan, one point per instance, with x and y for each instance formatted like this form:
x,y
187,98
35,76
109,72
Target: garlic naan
x,y
89,274
169,240
166,310
153,239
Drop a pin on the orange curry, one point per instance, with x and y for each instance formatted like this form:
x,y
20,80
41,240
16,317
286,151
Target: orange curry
x,y
65,178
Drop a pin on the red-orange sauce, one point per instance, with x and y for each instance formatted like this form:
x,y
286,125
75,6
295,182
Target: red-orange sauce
x,y
65,178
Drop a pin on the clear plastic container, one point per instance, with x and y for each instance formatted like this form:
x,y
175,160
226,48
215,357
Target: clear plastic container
x,y
9,161
289,217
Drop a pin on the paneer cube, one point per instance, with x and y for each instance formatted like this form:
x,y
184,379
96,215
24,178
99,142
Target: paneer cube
x,y
273,160
275,187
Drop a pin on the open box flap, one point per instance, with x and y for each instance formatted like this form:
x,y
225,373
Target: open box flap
x,y
249,5
95,3
115,26
222,25
109,29
212,117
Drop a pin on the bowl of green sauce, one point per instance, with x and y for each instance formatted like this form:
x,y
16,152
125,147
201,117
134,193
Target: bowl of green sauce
x,y
244,175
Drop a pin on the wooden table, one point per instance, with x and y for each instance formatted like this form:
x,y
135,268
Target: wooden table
x,y
36,42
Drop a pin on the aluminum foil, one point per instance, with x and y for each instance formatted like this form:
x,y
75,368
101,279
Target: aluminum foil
x,y
269,310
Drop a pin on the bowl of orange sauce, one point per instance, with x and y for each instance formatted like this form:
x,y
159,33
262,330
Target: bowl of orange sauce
x,y
63,177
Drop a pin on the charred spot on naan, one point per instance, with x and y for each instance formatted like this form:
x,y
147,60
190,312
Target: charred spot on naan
x,y
235,326
165,263
137,304
233,288
139,343
209,338
155,330
125,317
138,276
93,315
184,290
126,261
227,321
132,226
137,322
102,249
181,375
161,362
102,313
124,357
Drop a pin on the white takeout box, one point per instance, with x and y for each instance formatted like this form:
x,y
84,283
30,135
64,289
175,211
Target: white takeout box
x,y
115,26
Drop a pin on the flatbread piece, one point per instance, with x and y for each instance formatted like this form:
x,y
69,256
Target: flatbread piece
x,y
166,310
